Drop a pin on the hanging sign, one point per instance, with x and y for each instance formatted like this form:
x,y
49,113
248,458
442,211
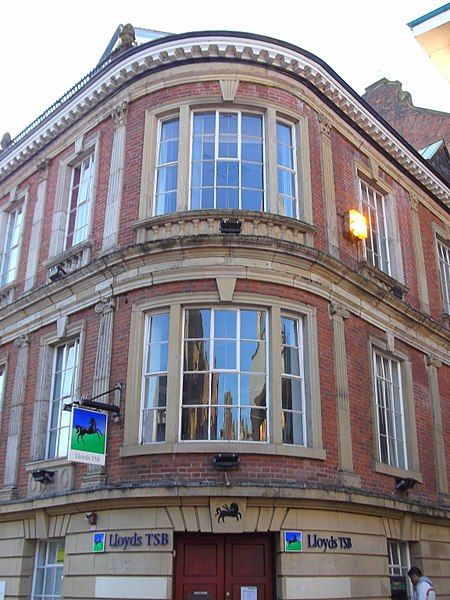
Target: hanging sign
x,y
87,439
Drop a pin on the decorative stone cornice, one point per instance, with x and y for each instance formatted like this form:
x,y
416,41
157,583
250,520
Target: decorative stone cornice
x,y
173,50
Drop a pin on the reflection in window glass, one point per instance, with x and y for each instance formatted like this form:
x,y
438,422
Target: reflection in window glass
x,y
63,389
2,386
286,171
224,374
373,206
390,416
80,201
154,400
227,161
292,383
444,267
167,168
10,255
48,570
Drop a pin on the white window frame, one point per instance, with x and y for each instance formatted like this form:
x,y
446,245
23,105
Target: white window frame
x,y
159,167
84,147
62,400
301,378
88,203
217,112
443,254
383,263
2,385
47,568
382,404
145,375
399,568
212,339
294,170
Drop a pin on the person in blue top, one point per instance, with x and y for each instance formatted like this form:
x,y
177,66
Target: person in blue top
x,y
423,586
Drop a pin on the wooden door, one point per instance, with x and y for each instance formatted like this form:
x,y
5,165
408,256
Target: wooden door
x,y
220,567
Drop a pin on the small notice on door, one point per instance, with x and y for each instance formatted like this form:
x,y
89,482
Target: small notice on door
x,y
249,593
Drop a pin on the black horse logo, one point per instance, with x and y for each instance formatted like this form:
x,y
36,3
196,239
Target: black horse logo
x,y
228,511
92,429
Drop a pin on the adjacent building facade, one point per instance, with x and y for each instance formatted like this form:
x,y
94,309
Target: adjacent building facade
x,y
177,242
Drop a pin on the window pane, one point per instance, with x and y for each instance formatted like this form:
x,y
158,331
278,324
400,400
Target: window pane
x,y
224,423
253,390
252,200
153,426
253,357
227,198
292,394
194,424
157,357
197,355
225,323
293,428
155,395
251,125
253,424
225,354
195,388
197,323
224,389
252,176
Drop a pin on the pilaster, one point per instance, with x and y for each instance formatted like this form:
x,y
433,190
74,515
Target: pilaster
x,y
36,228
110,231
328,186
420,259
15,420
347,476
433,364
105,308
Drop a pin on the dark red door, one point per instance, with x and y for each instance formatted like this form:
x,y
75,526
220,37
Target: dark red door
x,y
220,567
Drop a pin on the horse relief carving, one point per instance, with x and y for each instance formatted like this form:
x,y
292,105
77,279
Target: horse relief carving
x,y
228,511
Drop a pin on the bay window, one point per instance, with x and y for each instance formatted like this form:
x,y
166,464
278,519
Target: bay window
x,y
223,376
220,159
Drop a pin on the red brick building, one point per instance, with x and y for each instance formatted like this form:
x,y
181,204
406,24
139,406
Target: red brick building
x,y
176,229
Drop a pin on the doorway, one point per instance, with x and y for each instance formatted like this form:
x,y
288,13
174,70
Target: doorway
x,y
224,567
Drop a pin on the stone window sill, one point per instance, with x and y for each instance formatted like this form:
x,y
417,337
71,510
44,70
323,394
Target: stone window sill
x,y
396,472
70,260
216,448
382,279
7,293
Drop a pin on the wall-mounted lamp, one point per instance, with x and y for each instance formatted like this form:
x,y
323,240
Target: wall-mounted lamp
x,y
225,461
56,273
91,518
405,484
231,226
356,225
43,476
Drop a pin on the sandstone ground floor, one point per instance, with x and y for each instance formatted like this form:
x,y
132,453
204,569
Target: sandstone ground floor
x,y
127,544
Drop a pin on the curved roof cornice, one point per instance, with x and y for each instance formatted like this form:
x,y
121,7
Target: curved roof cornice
x,y
168,51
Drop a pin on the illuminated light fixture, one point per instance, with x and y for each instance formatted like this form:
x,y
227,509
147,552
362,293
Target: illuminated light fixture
x,y
356,225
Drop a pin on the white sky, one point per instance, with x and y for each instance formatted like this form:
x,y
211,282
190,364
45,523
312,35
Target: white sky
x,y
46,46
